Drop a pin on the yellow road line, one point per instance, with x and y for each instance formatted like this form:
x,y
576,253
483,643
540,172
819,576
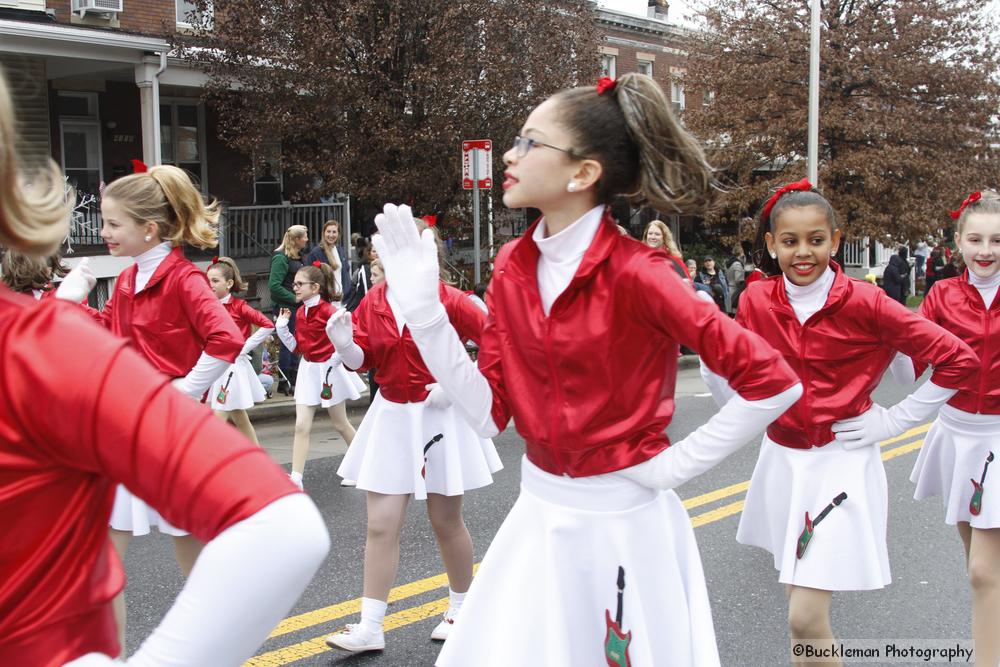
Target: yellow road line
x,y
316,645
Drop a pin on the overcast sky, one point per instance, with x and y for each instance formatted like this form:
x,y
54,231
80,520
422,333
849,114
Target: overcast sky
x,y
679,8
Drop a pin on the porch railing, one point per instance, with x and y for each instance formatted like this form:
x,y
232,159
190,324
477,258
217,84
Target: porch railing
x,y
862,253
255,231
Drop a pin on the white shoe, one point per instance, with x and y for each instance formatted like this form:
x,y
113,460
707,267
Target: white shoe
x,y
348,482
443,628
355,639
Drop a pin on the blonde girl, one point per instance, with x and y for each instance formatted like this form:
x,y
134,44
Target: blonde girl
x,y
163,305
118,421
322,378
238,388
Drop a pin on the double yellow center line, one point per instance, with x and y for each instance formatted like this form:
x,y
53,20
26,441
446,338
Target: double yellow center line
x,y
317,645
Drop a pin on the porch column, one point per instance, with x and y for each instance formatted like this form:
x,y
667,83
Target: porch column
x,y
145,79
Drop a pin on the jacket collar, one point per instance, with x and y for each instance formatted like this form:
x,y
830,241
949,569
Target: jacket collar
x,y
175,257
523,262
839,292
972,293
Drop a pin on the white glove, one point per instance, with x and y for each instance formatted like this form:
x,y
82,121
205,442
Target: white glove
x,y
77,284
728,430
340,329
281,322
335,360
878,424
411,263
436,398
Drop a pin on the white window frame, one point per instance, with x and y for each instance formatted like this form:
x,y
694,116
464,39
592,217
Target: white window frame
x,y
677,93
180,21
648,64
81,121
173,103
609,65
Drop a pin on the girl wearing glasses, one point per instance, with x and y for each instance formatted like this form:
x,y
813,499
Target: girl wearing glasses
x,y
322,378
596,563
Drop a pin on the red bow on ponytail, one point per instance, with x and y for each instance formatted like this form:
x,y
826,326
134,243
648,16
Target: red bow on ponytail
x,y
606,85
215,260
971,199
139,167
317,264
798,186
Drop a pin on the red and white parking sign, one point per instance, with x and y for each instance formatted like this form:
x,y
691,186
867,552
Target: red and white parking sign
x,y
484,168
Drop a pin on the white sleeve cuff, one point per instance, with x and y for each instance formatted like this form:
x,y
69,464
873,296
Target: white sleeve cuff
x,y
205,372
256,339
287,338
352,356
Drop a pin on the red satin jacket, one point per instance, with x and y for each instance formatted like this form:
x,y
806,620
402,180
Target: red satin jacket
x,y
311,340
400,372
842,351
957,306
591,386
174,318
82,412
246,317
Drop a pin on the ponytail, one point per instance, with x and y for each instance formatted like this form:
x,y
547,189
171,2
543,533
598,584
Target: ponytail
x,y
165,195
227,267
645,153
33,218
322,275
988,201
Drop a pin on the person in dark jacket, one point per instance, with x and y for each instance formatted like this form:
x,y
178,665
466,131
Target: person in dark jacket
x,y
285,263
895,277
330,252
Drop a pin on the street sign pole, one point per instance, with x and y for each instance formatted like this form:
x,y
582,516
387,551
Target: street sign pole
x,y
813,156
475,209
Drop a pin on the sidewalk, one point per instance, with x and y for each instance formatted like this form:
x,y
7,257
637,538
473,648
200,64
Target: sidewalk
x,y
280,406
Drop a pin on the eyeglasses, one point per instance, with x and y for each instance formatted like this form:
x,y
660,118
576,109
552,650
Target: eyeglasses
x,y
300,285
524,144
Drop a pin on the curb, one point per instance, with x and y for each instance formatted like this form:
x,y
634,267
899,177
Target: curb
x,y
284,407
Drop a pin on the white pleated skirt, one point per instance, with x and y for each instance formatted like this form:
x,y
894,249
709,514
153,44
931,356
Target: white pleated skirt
x,y
390,453
549,580
131,514
242,386
312,376
954,454
848,550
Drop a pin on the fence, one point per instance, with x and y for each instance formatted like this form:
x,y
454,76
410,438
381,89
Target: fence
x,y
255,231
864,254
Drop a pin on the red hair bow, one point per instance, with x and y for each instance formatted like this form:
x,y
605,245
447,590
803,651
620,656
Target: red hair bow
x,y
431,220
606,85
971,199
317,263
139,167
798,186
215,260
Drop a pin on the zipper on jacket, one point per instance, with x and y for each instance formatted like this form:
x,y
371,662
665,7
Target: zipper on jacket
x,y
554,417
985,362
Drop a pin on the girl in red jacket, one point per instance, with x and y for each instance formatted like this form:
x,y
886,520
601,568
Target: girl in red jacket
x,y
74,425
164,307
596,563
322,379
31,275
822,456
238,388
411,442
957,460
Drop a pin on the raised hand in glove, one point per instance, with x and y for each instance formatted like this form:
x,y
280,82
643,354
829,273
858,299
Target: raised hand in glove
x,y
340,329
411,263
77,284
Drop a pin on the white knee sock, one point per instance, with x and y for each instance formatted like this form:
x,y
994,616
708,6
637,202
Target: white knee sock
x,y
372,614
296,478
455,601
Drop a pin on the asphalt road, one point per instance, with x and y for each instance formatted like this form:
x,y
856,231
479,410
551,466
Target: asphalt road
x,y
928,598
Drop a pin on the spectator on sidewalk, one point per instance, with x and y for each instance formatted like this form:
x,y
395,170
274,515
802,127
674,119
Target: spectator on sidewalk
x,y
285,263
895,277
920,255
716,281
329,251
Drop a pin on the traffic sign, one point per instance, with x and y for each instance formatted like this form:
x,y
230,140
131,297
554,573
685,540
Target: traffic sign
x,y
480,150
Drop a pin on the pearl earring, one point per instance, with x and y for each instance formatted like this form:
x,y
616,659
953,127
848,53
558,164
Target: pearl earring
x,y
148,238
571,186
774,255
